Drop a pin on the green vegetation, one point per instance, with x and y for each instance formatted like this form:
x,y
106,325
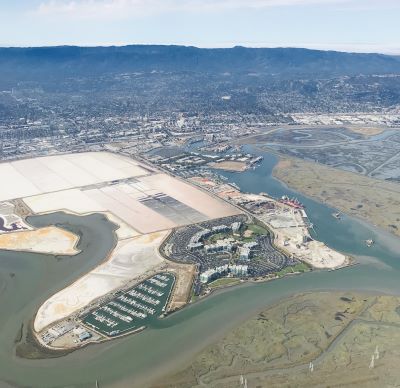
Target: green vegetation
x,y
257,229
224,282
301,267
219,236
193,297
274,348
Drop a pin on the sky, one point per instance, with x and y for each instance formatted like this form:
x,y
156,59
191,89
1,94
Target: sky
x,y
345,25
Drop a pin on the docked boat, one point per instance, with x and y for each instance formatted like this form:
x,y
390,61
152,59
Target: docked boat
x,y
293,202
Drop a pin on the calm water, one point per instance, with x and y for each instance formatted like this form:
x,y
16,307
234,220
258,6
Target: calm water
x,y
347,235
27,279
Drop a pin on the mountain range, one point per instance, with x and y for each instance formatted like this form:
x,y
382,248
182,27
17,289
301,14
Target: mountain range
x,y
35,64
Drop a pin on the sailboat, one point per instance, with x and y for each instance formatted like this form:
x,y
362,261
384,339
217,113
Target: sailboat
x,y
369,242
376,353
337,215
372,363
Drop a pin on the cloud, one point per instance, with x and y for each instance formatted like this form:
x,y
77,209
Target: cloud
x,y
94,9
124,9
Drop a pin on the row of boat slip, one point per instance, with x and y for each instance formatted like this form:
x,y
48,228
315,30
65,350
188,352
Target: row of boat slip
x,y
146,298
135,303
149,290
116,314
161,277
157,282
104,319
129,310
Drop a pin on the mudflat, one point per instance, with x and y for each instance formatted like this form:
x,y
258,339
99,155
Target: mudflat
x,y
318,339
375,201
50,240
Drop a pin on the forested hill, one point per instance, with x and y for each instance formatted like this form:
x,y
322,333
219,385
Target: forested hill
x,y
38,64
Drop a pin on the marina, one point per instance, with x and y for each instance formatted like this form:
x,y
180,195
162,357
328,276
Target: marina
x,y
133,309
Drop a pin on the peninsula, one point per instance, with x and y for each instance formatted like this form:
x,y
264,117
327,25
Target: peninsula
x,y
177,239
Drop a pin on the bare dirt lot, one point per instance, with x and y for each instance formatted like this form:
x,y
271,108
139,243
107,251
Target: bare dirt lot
x,y
229,166
183,284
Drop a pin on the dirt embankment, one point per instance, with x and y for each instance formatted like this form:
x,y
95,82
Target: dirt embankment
x,y
185,274
375,201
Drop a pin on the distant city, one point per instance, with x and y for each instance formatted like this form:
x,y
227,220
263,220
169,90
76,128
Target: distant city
x,y
69,108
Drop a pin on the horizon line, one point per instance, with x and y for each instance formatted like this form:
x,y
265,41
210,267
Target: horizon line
x,y
395,51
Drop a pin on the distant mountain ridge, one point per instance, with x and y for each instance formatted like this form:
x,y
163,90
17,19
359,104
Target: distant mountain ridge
x,y
39,63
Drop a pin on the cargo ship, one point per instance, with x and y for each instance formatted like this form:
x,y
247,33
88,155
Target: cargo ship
x,y
293,202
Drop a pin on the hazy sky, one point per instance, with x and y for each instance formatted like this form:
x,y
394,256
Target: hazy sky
x,y
351,25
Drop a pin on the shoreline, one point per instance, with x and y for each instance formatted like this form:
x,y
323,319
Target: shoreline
x,y
74,249
169,312
178,365
382,232
166,266
346,263
366,222
41,346
133,381
103,261
128,377
172,377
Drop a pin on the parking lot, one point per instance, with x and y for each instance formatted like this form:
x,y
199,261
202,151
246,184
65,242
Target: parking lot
x,y
265,258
